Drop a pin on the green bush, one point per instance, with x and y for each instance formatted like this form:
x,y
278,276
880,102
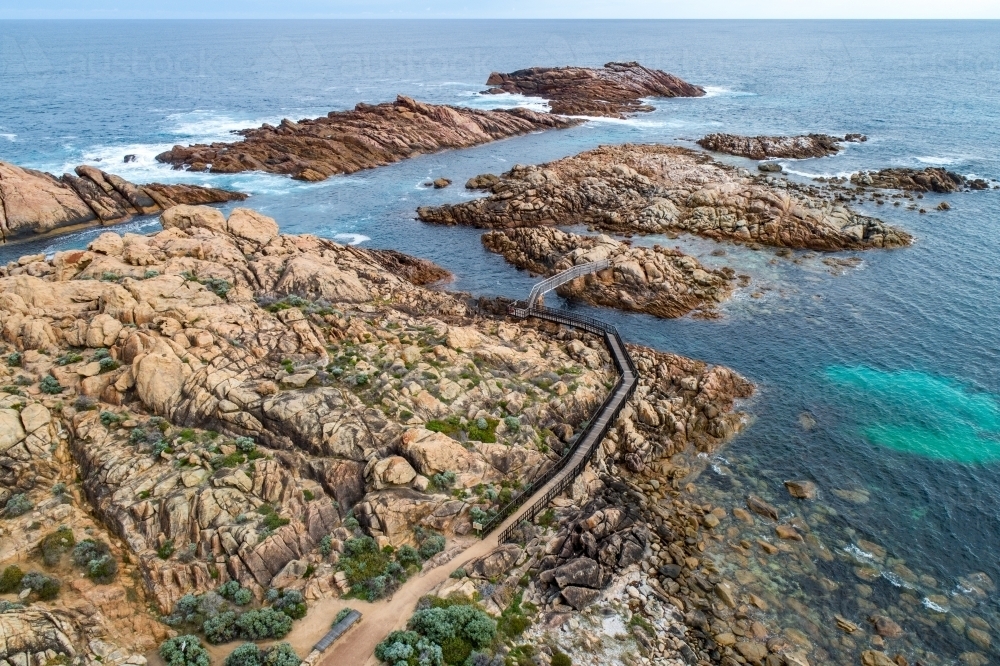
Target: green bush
x,y
46,587
281,654
513,423
341,615
292,604
18,505
50,386
165,550
326,545
273,521
247,654
15,359
221,628
184,651
561,658
69,357
484,430
55,545
455,650
10,579
407,556
245,444
262,624
431,546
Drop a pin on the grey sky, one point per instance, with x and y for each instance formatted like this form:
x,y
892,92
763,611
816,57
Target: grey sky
x,y
10,9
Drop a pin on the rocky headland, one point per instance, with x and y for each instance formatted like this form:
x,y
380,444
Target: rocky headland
x,y
34,202
615,90
655,280
931,179
227,409
789,147
362,138
657,189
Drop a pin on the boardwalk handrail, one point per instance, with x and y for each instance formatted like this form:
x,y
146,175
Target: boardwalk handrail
x,y
573,462
562,278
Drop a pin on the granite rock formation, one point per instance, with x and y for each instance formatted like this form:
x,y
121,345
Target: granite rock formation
x,y
614,90
665,189
931,179
364,137
789,147
33,202
654,280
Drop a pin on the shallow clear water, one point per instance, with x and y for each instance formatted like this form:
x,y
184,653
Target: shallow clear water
x,y
879,380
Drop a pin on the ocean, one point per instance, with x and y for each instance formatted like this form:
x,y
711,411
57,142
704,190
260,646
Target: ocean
x,y
877,381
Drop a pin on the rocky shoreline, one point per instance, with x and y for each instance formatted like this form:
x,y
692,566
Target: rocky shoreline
x,y
613,91
656,280
665,189
931,179
789,147
33,202
225,395
362,138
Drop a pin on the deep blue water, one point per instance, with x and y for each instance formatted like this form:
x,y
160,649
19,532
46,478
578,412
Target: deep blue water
x,y
911,320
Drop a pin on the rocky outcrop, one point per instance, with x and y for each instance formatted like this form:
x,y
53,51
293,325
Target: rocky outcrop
x,y
614,90
654,280
364,137
931,179
665,189
789,147
33,202
416,270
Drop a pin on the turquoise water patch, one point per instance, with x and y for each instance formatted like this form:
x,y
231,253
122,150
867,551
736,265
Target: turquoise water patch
x,y
924,414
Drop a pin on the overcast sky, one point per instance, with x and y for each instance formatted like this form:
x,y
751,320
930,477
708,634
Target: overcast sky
x,y
499,9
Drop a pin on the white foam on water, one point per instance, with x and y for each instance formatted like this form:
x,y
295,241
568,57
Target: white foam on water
x,y
895,580
933,606
202,126
806,174
352,239
9,137
477,100
857,553
719,91
935,160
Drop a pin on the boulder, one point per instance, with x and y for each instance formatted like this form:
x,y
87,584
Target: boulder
x,y
579,597
250,225
801,489
392,471
581,572
187,217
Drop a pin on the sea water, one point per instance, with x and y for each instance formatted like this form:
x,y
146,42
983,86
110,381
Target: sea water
x,y
878,381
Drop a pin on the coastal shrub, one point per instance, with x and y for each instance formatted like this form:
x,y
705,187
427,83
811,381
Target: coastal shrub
x,y
408,647
443,480
484,659
18,504
455,650
56,544
292,604
233,591
184,651
281,654
262,624
69,357
50,386
245,444
512,423
10,579
46,587
108,364
431,545
341,616
221,628
408,556
326,546
560,658
247,654
9,605
165,550
459,573
217,285
484,430
96,560
15,359
185,611
109,419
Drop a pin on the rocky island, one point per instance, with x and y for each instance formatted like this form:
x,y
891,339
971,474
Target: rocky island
x,y
33,202
789,147
615,90
362,138
931,179
662,189
217,421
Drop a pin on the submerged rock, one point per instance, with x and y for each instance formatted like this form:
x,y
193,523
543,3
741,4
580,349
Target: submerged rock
x,y
614,90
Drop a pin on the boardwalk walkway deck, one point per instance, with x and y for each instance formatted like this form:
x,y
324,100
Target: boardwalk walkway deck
x,y
383,617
